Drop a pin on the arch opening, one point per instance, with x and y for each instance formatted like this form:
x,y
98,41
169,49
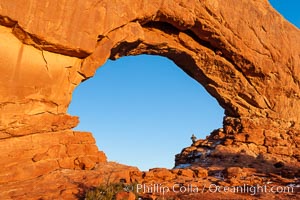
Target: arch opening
x,y
143,109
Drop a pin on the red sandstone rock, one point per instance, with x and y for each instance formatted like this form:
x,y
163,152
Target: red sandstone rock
x,y
125,196
160,174
185,172
201,172
234,172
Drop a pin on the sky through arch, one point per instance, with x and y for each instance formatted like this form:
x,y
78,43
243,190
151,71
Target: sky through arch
x,y
143,109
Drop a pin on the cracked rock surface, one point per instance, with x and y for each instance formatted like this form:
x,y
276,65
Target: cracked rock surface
x,y
243,52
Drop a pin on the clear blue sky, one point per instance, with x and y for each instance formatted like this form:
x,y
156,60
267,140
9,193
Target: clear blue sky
x,y
290,9
142,110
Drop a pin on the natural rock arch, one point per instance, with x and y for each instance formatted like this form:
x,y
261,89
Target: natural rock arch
x,y
249,63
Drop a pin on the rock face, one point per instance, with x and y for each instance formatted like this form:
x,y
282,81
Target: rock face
x,y
243,52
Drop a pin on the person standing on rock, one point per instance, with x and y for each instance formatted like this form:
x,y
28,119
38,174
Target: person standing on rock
x,y
193,138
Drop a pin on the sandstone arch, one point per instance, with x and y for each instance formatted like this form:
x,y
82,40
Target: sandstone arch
x,y
249,63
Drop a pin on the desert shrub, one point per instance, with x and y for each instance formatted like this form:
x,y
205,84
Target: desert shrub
x,y
104,192
108,191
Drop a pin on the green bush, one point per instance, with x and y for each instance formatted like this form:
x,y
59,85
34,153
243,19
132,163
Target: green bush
x,y
104,192
109,190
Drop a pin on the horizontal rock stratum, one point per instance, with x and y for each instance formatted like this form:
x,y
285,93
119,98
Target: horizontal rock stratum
x,y
242,51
